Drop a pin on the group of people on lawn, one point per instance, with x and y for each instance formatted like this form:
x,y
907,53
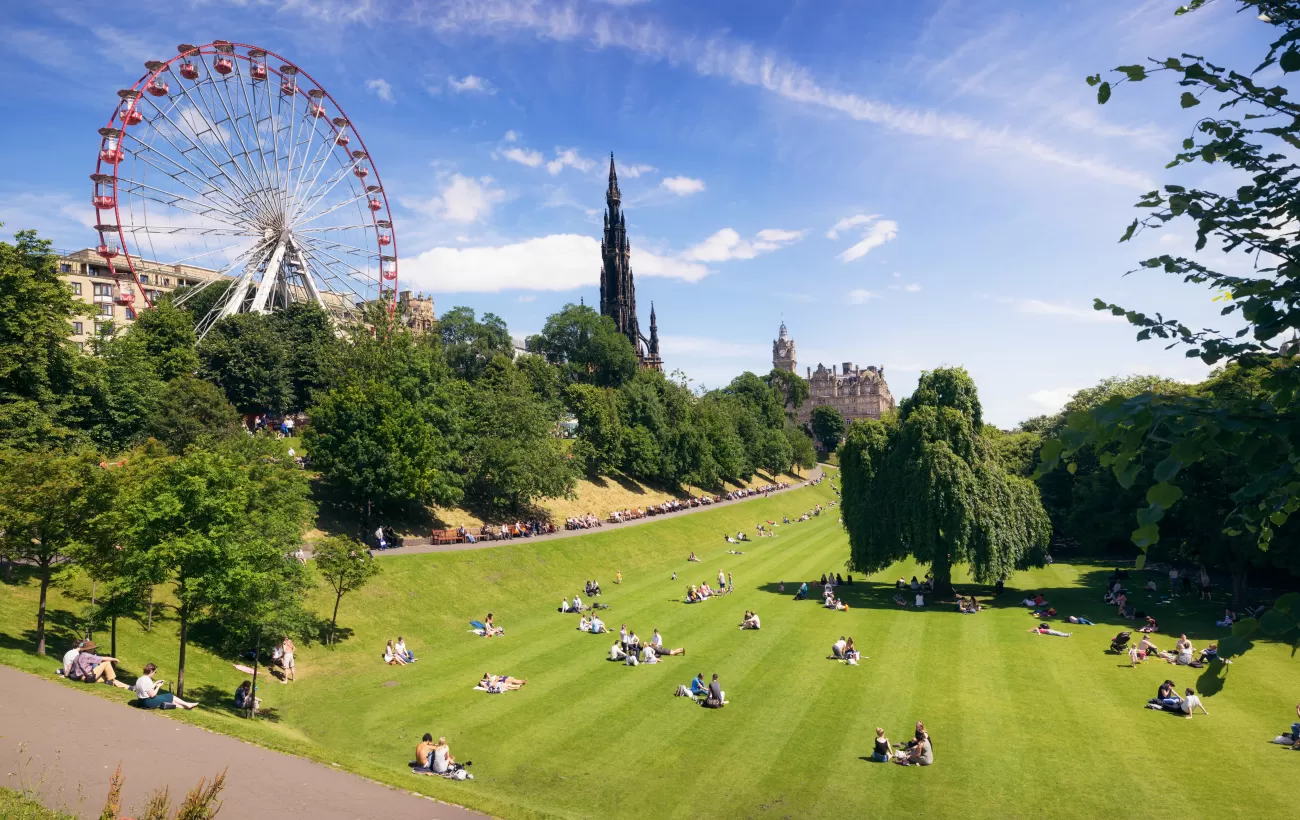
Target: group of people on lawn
x,y
82,663
919,751
709,695
396,654
695,594
630,650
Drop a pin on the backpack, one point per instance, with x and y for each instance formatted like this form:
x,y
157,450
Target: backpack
x,y
711,703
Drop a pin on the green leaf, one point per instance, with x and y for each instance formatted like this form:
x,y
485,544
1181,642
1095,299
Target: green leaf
x,y
1146,535
1244,628
1147,516
1126,474
1141,561
1164,494
1072,468
1188,100
1167,469
1128,234
1093,79
1103,93
1276,624
1288,603
1290,60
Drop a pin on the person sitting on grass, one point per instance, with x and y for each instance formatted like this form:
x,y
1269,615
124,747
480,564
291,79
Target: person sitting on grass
x,y
692,597
1147,648
1229,618
716,698
391,657
837,649
657,641
1150,626
802,594
584,624
1182,654
597,625
851,653
151,695
91,668
880,752
899,600
1044,629
564,605
616,652
839,605
490,629
1192,702
70,656
577,604
693,558
424,752
750,621
402,651
1209,653
244,697
963,607
920,754
648,654
920,600
1166,698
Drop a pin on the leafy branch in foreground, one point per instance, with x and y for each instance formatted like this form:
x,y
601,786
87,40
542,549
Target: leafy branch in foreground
x,y
1260,220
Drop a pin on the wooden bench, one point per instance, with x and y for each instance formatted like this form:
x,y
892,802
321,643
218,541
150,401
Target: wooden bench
x,y
451,536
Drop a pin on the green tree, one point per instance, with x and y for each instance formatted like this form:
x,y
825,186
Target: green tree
x,y
380,449
167,335
599,426
827,427
946,387
216,524
791,387
247,358
39,368
189,411
802,452
470,344
121,390
928,485
198,301
346,566
310,341
1252,215
49,502
586,346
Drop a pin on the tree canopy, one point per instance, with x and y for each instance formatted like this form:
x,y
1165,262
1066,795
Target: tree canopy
x,y
586,346
827,427
929,486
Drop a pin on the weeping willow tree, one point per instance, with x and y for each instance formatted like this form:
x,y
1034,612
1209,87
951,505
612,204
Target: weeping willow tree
x,y
925,484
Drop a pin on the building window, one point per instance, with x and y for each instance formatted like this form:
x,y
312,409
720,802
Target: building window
x,y
76,288
77,328
64,267
81,346
103,290
106,309
144,278
130,314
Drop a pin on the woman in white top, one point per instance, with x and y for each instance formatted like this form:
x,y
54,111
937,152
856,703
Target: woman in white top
x,y
151,695
391,657
564,604
584,624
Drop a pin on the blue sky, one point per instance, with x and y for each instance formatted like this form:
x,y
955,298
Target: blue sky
x,y
907,184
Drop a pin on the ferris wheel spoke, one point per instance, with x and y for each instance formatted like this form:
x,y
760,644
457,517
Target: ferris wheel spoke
x,y
312,249
213,125
196,230
212,87
328,186
343,204
217,166
203,187
190,168
209,253
341,247
172,199
254,121
320,160
365,226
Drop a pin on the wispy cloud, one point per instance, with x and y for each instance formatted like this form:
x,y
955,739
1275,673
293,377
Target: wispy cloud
x,y
381,89
682,186
569,157
860,296
727,244
523,156
462,199
875,232
633,171
470,84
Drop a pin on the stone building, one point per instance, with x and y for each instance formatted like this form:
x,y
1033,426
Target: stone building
x,y
857,392
617,286
416,312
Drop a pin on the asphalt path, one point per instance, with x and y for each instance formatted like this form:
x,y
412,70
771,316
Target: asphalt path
x,y
66,745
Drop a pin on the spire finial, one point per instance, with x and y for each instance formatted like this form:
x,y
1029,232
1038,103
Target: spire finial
x,y
612,195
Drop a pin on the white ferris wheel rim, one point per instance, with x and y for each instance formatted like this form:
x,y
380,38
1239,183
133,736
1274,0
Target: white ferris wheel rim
x,y
255,160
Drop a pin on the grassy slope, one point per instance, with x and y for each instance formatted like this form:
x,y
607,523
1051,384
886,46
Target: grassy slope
x,y
15,805
1024,726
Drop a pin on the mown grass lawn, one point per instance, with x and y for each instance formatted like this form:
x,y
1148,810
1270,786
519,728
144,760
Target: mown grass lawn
x,y
1023,725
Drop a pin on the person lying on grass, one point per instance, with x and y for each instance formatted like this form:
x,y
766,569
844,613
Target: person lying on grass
x,y
1044,629
502,682
1079,619
657,641
151,695
750,621
1150,626
391,657
1035,601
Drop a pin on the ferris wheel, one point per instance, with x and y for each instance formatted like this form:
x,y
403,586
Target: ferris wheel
x,y
232,160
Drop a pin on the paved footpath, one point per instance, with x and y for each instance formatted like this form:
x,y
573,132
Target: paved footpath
x,y
606,526
70,743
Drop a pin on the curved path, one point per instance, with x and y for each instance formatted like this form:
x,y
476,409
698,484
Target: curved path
x,y
813,475
70,743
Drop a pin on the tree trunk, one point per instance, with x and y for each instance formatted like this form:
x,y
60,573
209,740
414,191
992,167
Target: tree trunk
x,y
180,666
942,578
1238,587
113,643
90,622
148,624
334,620
257,656
9,572
40,610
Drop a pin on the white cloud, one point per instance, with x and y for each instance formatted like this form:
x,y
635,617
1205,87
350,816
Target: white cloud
x,y
859,296
462,199
1043,308
877,232
1052,399
571,158
683,186
523,156
470,84
381,88
850,222
634,171
511,136
727,244
912,288
557,262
